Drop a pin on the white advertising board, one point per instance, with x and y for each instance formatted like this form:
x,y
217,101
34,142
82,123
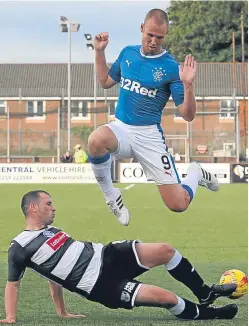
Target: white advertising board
x,y
46,173
133,172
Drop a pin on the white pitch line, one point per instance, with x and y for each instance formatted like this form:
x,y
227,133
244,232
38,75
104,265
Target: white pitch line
x,y
129,187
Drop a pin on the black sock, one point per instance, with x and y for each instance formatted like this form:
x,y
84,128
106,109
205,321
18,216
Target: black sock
x,y
194,311
185,273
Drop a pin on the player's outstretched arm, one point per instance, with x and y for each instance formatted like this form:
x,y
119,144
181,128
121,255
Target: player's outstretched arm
x,y
11,297
187,74
102,69
58,299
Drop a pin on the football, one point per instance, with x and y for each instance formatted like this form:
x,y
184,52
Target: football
x,y
238,277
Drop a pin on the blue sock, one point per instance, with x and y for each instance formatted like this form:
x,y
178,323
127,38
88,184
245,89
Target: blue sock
x,y
99,159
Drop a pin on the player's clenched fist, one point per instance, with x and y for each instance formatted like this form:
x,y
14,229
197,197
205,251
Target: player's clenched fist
x,y
101,40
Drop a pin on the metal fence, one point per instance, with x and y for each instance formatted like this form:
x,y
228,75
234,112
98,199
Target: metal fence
x,y
212,137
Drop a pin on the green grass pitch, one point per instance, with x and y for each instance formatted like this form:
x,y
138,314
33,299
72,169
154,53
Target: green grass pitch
x,y
212,233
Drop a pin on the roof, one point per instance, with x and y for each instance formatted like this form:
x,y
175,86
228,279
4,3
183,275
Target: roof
x,y
50,80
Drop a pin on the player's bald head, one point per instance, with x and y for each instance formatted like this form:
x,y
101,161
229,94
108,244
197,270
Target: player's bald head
x,y
158,15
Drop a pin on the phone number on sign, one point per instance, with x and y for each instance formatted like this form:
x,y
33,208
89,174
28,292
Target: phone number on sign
x,y
15,177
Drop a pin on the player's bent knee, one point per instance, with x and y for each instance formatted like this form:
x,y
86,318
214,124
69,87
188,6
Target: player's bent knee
x,y
166,252
102,139
94,142
177,207
174,197
97,141
165,247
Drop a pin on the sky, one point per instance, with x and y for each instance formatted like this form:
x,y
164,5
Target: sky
x,y
30,29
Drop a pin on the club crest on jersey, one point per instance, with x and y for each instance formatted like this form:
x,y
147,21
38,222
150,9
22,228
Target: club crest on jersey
x,y
125,296
48,234
158,74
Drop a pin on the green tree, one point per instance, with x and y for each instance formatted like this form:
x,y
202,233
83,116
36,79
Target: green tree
x,y
204,29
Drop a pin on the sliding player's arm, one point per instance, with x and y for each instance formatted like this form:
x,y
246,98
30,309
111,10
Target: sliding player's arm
x,y
11,298
16,268
56,291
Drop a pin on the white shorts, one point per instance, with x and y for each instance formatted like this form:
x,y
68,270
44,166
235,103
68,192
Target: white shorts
x,y
147,145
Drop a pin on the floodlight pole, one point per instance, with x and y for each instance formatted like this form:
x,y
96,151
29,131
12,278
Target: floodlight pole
x,y
69,27
94,91
236,116
58,134
8,134
69,89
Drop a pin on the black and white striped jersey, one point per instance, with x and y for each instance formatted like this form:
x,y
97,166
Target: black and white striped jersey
x,y
53,254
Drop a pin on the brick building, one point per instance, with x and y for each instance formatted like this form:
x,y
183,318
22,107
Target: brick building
x,y
32,93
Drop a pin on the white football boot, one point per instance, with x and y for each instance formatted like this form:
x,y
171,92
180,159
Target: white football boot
x,y
118,208
207,179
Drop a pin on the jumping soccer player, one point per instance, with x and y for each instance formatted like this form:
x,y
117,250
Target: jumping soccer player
x,y
148,75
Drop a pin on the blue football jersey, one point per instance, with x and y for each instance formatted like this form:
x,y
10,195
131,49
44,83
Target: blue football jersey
x,y
146,83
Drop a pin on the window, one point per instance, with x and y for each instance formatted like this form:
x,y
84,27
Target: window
x,y
36,109
226,106
2,109
80,109
112,107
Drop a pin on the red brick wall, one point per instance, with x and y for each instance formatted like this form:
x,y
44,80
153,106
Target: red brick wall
x,y
203,127
49,124
200,123
171,125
